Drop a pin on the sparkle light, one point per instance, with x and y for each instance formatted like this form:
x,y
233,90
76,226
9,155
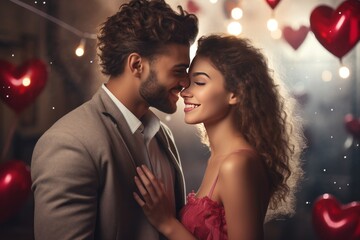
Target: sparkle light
x,y
213,1
272,24
234,28
80,49
344,72
326,76
236,13
26,82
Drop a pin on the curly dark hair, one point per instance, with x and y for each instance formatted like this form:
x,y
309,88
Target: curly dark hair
x,y
266,114
144,27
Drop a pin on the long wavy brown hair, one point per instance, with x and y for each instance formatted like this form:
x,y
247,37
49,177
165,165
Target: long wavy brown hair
x,y
266,114
144,27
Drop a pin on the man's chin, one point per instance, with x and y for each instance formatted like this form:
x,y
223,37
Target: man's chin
x,y
167,109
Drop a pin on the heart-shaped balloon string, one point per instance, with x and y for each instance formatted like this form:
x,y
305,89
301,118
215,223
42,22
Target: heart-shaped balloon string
x,y
295,37
273,3
20,86
337,30
333,221
15,187
352,125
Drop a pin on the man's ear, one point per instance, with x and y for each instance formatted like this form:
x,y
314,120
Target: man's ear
x,y
135,64
233,99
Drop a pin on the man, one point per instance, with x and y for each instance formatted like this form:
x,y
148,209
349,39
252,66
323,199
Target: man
x,y
83,167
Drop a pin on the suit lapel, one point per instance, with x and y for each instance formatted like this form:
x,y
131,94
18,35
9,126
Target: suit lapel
x,y
170,149
130,141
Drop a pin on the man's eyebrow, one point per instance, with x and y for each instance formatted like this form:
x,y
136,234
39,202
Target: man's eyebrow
x,y
183,65
200,73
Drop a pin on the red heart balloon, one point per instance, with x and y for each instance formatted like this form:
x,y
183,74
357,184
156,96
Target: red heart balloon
x,y
338,31
15,186
273,3
333,221
295,37
20,86
352,125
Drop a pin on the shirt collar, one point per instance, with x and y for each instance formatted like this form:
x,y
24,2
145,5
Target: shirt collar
x,y
149,124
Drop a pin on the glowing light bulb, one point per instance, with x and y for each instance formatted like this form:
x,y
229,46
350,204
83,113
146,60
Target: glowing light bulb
x,y
234,28
272,24
80,50
236,13
26,82
344,72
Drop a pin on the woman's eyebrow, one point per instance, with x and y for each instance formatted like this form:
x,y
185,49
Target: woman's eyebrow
x,y
200,73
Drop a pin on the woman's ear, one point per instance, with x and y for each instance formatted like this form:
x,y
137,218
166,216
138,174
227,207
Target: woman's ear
x,y
135,64
233,99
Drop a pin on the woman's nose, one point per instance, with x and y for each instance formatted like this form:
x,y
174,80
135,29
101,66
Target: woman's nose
x,y
185,92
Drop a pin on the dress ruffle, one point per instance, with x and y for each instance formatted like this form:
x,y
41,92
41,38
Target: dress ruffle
x,y
204,218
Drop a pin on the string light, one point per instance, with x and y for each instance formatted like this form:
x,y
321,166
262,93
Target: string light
x,y
26,82
236,13
83,35
234,28
272,24
80,50
344,72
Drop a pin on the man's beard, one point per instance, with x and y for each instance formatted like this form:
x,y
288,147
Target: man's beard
x,y
156,95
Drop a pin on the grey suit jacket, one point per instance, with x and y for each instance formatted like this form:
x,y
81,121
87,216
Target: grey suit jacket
x,y
83,172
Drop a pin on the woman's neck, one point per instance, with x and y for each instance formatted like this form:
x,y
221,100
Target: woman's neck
x,y
224,137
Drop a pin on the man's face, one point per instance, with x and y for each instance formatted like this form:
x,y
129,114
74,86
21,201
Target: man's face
x,y
167,77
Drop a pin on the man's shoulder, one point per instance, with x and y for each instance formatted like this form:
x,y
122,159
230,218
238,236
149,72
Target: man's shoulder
x,y
85,117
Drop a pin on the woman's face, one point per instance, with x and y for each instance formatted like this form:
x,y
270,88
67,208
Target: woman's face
x,y
206,100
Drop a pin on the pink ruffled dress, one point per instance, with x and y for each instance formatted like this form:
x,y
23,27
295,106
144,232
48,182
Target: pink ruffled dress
x,y
204,217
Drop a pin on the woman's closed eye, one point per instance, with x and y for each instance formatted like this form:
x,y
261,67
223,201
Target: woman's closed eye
x,y
199,83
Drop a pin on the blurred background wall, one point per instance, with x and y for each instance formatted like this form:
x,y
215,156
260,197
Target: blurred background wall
x,y
331,161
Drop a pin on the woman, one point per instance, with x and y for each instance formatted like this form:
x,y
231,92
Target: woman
x,y
255,142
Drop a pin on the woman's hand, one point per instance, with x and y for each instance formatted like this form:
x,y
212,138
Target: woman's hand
x,y
153,200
